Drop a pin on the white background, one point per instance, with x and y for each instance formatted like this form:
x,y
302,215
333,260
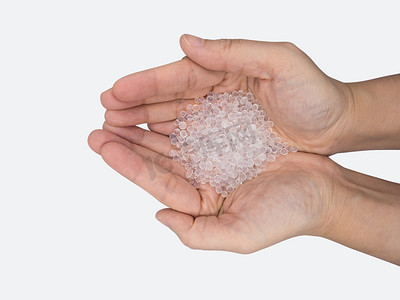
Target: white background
x,y
71,228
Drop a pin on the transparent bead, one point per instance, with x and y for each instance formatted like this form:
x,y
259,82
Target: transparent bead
x,y
190,140
182,125
189,173
262,157
172,152
183,133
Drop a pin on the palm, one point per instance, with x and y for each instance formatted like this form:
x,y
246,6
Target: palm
x,y
278,203
302,107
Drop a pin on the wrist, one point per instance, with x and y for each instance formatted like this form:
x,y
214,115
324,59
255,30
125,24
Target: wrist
x,y
357,130
364,215
338,137
329,200
370,118
344,136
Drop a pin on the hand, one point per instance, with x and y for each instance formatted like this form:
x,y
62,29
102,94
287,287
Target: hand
x,y
293,197
309,109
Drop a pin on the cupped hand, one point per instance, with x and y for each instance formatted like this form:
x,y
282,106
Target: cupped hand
x,y
292,197
309,108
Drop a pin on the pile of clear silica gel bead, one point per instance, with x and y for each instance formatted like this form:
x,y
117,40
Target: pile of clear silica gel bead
x,y
224,140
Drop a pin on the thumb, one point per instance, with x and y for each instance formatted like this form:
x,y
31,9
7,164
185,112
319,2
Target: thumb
x,y
203,232
250,58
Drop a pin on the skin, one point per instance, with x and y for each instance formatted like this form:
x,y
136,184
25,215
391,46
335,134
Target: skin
x,y
298,194
309,109
281,202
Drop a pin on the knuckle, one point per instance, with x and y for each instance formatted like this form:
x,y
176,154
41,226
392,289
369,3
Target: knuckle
x,y
178,95
290,46
225,45
192,80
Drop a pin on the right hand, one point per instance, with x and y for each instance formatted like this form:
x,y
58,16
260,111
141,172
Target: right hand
x,y
294,196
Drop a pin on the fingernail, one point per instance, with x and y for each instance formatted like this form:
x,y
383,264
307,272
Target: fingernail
x,y
193,41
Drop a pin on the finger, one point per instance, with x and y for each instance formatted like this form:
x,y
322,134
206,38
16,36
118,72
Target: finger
x,y
98,138
204,232
148,139
165,128
148,113
183,75
168,188
250,58
109,101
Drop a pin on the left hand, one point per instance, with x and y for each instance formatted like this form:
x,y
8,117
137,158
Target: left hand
x,y
309,109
